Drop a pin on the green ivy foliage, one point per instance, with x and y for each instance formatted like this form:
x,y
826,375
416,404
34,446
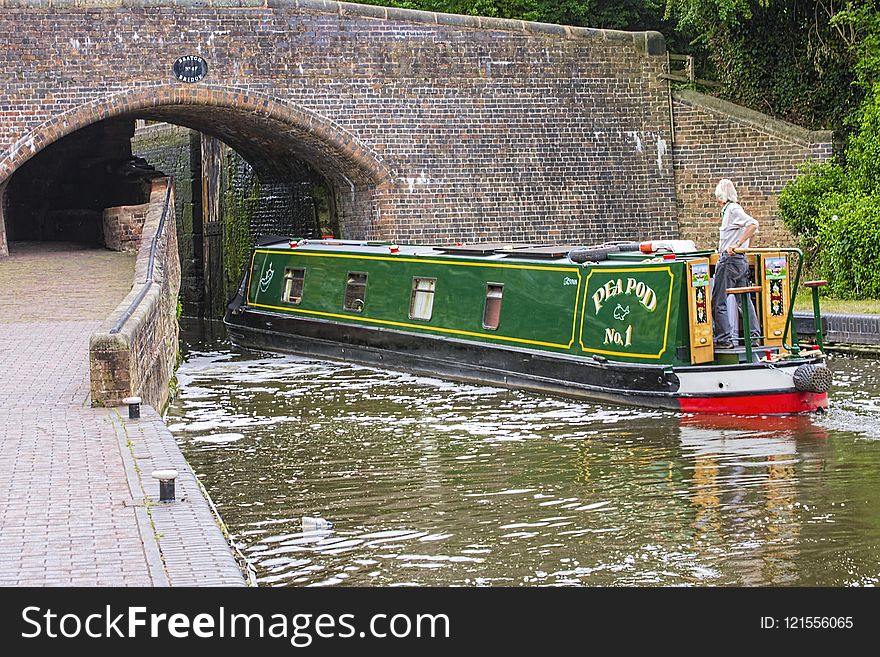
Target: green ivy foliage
x,y
835,208
792,59
240,202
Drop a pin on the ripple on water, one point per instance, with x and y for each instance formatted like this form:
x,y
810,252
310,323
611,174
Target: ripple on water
x,y
855,396
429,482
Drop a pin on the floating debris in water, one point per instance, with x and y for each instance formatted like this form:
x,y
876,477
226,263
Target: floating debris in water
x,y
315,524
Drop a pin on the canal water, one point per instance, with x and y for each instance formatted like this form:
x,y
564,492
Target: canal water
x,y
428,482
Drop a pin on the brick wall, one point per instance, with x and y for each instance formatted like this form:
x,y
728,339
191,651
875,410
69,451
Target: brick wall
x,y
284,205
715,139
141,357
122,226
264,202
429,127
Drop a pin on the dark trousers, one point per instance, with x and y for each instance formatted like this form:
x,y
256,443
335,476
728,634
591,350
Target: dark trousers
x,y
731,271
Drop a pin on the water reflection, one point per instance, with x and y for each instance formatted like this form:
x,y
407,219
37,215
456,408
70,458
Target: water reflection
x,y
434,483
744,490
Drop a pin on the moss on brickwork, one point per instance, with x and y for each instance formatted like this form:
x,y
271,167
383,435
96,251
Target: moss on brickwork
x,y
293,204
328,222
241,200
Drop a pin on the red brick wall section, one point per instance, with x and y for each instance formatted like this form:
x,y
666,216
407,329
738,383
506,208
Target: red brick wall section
x,y
141,358
715,139
123,225
4,246
431,127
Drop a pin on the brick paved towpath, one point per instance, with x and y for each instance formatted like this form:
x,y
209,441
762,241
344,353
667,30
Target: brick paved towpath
x,y
77,504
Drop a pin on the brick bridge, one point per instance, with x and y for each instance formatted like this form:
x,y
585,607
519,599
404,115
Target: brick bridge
x,y
426,126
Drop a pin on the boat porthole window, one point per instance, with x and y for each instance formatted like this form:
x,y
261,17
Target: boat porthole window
x,y
355,292
492,311
293,285
421,304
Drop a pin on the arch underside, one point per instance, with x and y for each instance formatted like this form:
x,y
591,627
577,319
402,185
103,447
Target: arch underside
x,y
274,137
268,143
275,149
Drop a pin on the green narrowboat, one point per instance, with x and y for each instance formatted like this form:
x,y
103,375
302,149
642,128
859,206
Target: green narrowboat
x,y
624,323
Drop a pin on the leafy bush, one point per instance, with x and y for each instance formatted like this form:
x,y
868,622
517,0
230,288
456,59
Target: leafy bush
x,y
792,59
801,199
863,148
835,211
849,237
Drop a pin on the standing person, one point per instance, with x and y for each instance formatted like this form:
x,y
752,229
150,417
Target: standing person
x,y
732,270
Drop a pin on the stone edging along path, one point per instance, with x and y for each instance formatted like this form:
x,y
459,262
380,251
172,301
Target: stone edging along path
x,y
839,329
78,506
189,537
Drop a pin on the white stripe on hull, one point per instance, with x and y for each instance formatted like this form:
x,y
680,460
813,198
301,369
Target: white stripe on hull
x,y
739,381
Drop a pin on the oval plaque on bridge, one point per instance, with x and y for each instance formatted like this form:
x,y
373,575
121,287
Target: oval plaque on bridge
x,y
190,68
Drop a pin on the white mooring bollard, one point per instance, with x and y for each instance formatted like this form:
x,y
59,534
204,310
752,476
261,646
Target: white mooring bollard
x,y
166,484
134,407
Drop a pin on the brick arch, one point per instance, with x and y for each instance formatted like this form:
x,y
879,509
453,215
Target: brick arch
x,y
161,102
265,130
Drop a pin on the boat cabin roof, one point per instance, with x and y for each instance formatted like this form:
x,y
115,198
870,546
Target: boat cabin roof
x,y
507,251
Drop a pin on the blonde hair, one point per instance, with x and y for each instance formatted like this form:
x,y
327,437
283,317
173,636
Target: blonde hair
x,y
725,191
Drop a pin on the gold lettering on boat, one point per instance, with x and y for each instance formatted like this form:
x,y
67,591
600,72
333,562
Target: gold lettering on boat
x,y
645,293
612,336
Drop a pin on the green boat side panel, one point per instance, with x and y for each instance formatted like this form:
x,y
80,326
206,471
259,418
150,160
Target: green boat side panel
x,y
630,312
627,312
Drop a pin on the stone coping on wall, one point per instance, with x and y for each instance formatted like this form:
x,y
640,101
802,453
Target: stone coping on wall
x,y
649,42
774,127
847,328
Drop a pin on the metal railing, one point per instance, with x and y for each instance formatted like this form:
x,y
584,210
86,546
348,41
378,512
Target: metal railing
x,y
686,74
150,266
793,348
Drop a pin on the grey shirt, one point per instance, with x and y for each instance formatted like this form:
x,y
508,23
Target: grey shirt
x,y
733,220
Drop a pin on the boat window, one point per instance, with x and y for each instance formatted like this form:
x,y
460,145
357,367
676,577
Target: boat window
x,y
293,285
355,292
492,312
421,305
